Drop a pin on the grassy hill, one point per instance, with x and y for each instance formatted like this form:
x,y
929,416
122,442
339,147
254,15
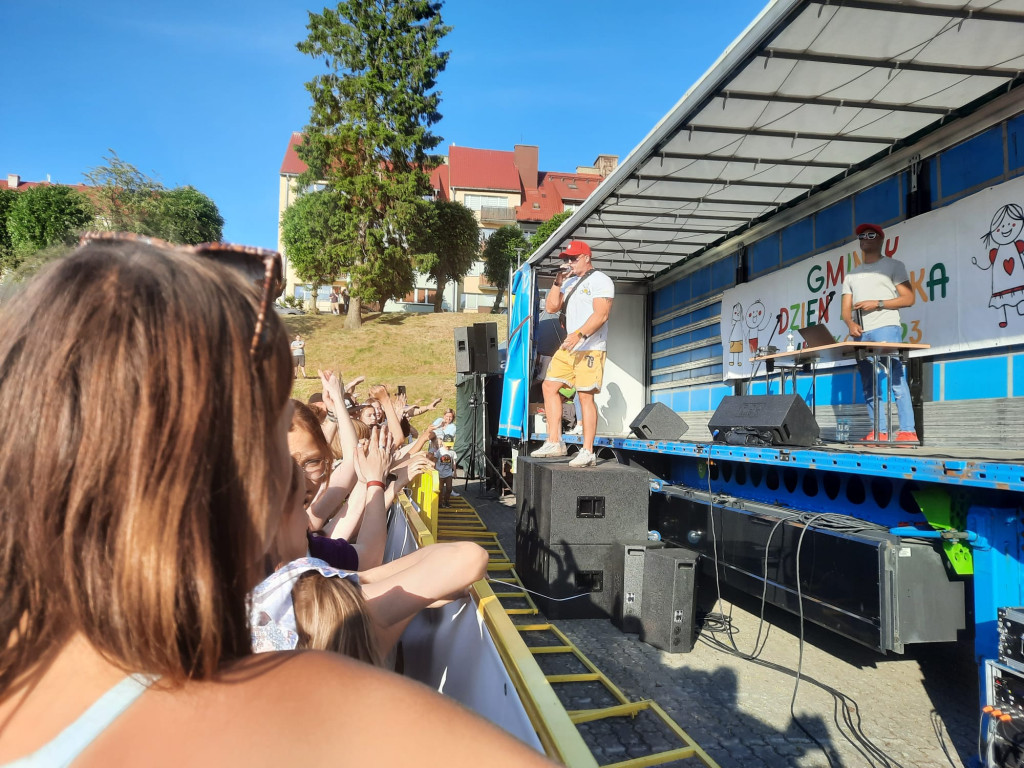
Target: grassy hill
x,y
415,350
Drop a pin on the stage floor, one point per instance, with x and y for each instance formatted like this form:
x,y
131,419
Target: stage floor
x,y
986,468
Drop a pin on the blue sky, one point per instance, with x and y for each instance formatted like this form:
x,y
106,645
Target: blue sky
x,y
208,93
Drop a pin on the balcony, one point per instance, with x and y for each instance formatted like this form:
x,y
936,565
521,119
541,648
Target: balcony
x,y
503,214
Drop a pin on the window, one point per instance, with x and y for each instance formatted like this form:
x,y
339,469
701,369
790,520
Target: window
x,y
476,202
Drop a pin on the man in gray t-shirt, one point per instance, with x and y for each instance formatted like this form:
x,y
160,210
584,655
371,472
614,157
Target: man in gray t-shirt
x,y
873,294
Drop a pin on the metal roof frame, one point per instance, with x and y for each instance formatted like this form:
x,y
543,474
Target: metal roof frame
x,y
794,108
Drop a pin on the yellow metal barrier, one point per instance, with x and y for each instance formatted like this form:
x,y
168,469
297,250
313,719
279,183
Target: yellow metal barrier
x,y
425,493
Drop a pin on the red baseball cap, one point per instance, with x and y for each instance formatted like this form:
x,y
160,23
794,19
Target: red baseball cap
x,y
575,248
870,228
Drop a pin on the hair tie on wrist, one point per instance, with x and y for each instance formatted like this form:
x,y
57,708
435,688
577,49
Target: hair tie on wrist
x,y
375,484
332,417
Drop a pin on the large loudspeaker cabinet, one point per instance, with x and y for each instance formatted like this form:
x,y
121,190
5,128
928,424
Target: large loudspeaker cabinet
x,y
485,348
785,418
589,574
595,505
658,422
668,612
464,357
627,613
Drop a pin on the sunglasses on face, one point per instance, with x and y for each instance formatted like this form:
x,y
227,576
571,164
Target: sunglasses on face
x,y
262,267
867,235
571,259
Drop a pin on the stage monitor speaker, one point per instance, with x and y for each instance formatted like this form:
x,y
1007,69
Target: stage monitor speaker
x,y
485,348
596,505
590,574
668,612
627,612
658,422
764,419
464,350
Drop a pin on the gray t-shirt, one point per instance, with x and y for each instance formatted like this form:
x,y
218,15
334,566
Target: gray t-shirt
x,y
874,281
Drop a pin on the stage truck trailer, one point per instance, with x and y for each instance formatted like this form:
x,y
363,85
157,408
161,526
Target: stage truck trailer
x,y
733,221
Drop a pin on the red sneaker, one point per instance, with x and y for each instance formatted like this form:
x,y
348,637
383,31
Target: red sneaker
x,y
872,439
907,437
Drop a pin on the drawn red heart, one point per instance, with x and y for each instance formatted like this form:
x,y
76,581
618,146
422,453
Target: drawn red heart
x,y
1008,265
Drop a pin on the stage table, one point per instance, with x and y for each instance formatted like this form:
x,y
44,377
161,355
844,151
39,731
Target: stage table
x,y
808,359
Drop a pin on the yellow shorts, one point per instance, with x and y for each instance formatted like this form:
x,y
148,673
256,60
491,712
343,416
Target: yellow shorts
x,y
583,370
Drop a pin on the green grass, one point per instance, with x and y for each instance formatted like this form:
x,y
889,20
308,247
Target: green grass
x,y
415,350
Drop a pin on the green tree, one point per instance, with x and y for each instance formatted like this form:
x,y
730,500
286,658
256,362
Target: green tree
x,y
501,255
369,133
307,231
46,216
447,241
184,215
545,230
7,199
123,195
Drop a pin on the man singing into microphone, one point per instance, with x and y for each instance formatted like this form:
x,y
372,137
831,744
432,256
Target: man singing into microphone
x,y
584,297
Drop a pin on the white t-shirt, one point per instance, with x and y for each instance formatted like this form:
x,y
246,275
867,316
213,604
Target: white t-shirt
x,y
581,307
874,281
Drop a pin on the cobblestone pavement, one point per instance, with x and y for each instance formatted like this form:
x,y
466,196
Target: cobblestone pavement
x,y
919,710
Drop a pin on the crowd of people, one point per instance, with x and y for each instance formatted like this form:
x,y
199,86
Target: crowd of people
x,y
180,540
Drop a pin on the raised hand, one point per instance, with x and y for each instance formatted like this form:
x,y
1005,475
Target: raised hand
x,y
379,392
435,402
374,456
333,390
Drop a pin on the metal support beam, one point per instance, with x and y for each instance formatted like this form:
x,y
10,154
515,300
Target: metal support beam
x,y
942,11
819,101
884,141
910,66
669,179
765,161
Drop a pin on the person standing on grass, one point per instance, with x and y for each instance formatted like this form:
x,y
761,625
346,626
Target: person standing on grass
x,y
334,301
585,302
299,356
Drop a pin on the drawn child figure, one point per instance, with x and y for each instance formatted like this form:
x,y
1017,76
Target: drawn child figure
x,y
1005,259
757,321
736,335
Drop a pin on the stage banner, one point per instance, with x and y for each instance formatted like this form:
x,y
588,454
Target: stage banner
x,y
966,268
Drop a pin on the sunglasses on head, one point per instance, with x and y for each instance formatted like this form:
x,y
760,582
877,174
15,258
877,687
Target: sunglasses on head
x,y
260,265
870,235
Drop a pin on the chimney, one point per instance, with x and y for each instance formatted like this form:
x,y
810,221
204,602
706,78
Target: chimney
x,y
526,157
605,164
13,180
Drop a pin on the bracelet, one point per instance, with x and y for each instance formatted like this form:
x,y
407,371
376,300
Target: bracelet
x,y
375,484
332,417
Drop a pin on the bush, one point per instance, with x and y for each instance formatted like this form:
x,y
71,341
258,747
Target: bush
x,y
45,217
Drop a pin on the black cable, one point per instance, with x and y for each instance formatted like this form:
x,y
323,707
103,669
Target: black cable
x,y
717,623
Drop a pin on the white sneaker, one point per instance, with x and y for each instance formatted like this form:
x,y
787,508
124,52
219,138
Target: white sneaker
x,y
456,494
584,458
549,450
577,430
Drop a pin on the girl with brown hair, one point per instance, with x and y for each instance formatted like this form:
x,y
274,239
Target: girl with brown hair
x,y
137,505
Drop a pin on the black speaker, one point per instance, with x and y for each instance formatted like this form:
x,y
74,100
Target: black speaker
x,y
764,419
464,356
658,422
627,612
593,505
590,575
485,348
668,611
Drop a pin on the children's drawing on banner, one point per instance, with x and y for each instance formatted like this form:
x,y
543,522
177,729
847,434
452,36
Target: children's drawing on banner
x,y
736,335
1005,260
757,321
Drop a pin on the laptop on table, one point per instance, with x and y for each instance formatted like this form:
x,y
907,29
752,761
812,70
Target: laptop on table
x,y
816,336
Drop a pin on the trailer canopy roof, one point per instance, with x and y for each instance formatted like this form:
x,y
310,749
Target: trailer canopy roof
x,y
810,93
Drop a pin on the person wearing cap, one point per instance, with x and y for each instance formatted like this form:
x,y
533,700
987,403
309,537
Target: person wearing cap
x,y
579,362
873,294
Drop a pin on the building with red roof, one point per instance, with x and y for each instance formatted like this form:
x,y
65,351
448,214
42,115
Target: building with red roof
x,y
501,187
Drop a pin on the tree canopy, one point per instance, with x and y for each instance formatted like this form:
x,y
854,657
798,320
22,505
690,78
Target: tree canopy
x,y
368,136
43,217
501,254
128,200
307,231
447,241
545,230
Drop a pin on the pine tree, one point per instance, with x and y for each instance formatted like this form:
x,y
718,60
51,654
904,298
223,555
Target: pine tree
x,y
369,135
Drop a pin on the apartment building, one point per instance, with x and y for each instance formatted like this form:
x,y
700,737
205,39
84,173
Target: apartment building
x,y
499,186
